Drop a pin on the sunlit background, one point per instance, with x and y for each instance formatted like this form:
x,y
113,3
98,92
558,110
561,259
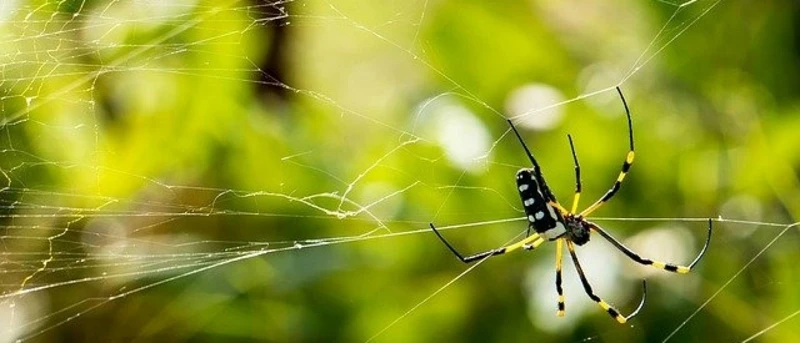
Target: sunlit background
x,y
266,170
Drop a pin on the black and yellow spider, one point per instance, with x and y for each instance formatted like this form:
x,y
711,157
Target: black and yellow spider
x,y
553,222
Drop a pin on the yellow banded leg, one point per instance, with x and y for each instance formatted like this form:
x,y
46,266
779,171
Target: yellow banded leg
x,y
559,289
626,166
575,201
588,288
527,243
648,262
668,266
558,207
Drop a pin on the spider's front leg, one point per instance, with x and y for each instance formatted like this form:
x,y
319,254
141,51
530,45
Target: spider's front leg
x,y
626,165
577,196
529,243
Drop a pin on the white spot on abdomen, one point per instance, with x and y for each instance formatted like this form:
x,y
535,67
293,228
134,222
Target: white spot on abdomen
x,y
523,187
528,202
539,215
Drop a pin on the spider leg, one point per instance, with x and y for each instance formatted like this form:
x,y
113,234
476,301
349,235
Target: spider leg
x,y
529,243
648,262
577,196
626,165
559,289
537,170
588,288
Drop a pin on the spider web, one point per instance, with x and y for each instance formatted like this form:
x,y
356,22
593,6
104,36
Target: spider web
x,y
163,179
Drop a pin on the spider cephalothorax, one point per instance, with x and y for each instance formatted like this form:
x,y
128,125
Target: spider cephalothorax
x,y
577,229
552,222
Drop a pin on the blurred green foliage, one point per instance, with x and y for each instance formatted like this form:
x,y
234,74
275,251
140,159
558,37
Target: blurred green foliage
x,y
142,141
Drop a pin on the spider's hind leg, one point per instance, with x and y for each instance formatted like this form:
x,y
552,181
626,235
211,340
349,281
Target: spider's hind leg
x,y
613,312
670,267
559,254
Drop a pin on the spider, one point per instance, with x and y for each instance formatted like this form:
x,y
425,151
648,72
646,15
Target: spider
x,y
552,222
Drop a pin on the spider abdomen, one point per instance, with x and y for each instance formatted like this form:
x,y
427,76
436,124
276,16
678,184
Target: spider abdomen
x,y
542,216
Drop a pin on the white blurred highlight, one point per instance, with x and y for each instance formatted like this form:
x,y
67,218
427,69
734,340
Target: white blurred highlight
x,y
602,268
108,236
11,317
17,314
672,244
530,100
742,207
7,9
463,137
165,11
114,23
598,77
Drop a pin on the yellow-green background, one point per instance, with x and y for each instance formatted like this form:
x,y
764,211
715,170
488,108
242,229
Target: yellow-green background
x,y
142,140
